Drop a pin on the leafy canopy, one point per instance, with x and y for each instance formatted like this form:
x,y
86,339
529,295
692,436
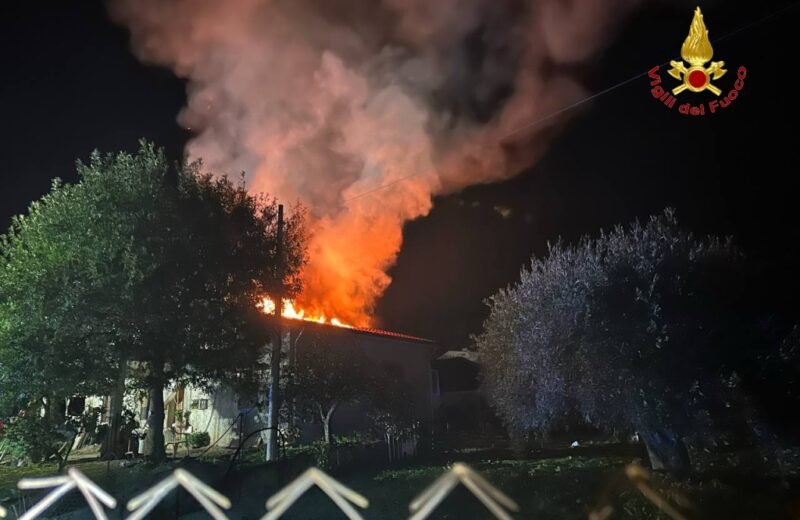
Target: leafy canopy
x,y
138,263
639,329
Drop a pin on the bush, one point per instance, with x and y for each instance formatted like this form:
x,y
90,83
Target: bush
x,y
29,437
321,453
199,439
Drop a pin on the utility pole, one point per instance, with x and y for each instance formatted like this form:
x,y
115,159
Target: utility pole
x,y
274,405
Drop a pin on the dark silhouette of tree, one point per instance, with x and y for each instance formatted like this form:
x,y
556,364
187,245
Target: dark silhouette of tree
x,y
641,329
327,376
127,277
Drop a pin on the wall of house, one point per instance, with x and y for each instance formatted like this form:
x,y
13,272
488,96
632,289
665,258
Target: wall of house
x,y
411,360
213,412
218,412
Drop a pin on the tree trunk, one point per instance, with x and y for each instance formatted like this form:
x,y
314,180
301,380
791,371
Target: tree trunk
x,y
326,431
326,423
155,424
57,411
667,452
55,416
111,447
63,460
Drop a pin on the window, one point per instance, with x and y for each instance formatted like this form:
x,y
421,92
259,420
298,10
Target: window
x,y
76,406
199,404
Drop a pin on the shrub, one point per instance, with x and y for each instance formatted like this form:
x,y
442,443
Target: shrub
x,y
199,439
321,453
29,437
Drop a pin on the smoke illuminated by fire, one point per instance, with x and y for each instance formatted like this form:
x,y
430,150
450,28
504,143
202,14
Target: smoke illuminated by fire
x,y
364,110
267,305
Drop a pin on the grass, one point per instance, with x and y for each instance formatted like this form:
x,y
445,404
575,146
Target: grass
x,y
117,477
563,484
557,488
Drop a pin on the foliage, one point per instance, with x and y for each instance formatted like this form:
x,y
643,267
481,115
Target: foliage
x,y
640,329
320,452
37,437
30,438
88,421
138,265
199,439
327,376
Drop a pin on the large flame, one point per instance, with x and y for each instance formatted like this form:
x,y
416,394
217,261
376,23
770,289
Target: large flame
x,y
289,310
697,48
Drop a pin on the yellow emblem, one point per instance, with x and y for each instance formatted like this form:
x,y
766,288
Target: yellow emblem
x,y
697,51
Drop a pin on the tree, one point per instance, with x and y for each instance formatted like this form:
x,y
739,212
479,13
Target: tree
x,y
641,329
130,276
327,376
52,272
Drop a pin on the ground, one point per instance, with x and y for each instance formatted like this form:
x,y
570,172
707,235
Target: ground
x,y
555,488
557,484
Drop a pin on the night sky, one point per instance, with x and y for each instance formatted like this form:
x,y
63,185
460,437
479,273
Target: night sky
x,y
70,84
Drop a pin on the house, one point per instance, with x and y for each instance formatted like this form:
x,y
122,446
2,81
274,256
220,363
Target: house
x,y
462,407
230,418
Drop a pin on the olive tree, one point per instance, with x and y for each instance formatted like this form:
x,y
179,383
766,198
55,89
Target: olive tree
x,y
639,329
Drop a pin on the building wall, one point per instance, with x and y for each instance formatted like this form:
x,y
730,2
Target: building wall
x,y
218,412
411,360
220,417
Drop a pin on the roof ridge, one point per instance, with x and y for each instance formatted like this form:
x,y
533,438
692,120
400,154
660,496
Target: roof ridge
x,y
383,332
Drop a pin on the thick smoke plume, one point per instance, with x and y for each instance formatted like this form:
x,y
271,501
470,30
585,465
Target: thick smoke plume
x,y
324,101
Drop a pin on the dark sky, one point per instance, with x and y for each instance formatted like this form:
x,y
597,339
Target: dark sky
x,y
69,85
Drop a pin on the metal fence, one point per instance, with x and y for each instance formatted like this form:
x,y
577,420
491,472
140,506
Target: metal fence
x,y
347,500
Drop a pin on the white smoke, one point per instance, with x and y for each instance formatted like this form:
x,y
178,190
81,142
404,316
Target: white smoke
x,y
325,101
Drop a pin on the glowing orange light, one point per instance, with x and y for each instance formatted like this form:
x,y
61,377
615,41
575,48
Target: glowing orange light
x,y
267,306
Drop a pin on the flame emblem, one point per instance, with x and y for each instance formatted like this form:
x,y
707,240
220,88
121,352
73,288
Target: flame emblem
x,y
697,51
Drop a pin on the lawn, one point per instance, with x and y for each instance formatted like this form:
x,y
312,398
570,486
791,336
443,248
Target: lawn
x,y
562,484
553,488
553,484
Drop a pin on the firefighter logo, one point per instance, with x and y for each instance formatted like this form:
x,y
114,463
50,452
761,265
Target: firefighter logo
x,y
697,73
697,51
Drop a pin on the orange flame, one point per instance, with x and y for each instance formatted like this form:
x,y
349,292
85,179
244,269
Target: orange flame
x,y
267,306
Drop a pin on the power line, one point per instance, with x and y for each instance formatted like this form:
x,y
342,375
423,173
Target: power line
x,y
580,102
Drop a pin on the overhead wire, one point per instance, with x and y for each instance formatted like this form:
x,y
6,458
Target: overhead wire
x,y
578,103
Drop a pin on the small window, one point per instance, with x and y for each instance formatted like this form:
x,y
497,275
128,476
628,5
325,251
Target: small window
x,y
76,406
203,404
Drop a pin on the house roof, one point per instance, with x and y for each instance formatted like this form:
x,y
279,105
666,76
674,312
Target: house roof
x,y
390,334
369,331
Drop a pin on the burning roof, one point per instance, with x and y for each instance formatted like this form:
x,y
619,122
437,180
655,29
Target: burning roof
x,y
291,312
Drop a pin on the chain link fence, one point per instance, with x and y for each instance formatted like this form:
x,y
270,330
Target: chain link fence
x,y
74,495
